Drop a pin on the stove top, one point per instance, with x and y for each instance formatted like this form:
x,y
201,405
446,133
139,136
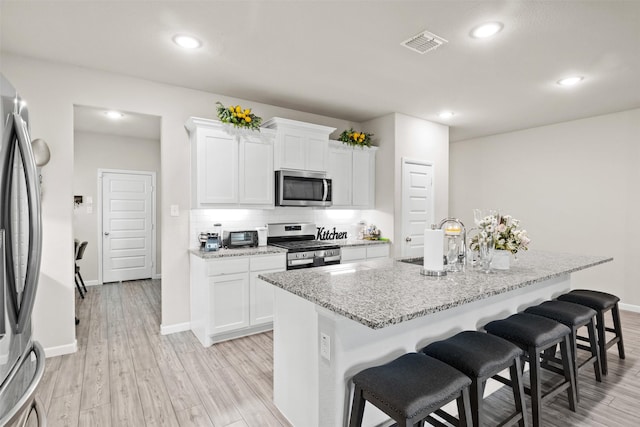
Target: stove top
x,y
305,245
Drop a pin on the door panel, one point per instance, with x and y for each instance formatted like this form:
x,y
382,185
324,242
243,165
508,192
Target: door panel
x,y
417,206
127,224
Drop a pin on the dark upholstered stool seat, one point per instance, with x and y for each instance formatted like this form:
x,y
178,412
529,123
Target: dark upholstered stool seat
x,y
601,302
528,330
573,316
474,353
567,313
481,356
594,299
535,334
410,388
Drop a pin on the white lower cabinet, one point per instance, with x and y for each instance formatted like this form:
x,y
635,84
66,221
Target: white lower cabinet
x,y
228,295
363,253
228,300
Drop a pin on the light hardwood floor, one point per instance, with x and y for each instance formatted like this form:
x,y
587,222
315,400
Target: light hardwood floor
x,y
126,374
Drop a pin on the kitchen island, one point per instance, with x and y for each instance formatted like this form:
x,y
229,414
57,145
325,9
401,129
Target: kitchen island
x,y
332,322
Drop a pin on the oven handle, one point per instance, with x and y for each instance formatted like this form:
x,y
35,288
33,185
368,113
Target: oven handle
x,y
301,261
326,190
332,258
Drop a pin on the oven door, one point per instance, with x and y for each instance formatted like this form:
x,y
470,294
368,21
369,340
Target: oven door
x,y
302,188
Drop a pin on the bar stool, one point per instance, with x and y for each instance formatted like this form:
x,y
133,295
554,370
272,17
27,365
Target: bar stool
x,y
601,302
482,356
409,389
574,316
534,334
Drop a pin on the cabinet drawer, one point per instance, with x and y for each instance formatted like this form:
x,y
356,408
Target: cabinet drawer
x,y
268,262
228,266
353,254
378,251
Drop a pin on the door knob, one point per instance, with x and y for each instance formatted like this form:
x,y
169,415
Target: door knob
x,y
408,239
106,233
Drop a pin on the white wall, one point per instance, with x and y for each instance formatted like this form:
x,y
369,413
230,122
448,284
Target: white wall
x,y
574,186
400,136
93,151
51,90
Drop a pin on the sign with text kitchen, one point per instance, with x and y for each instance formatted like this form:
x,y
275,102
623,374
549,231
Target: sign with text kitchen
x,y
330,234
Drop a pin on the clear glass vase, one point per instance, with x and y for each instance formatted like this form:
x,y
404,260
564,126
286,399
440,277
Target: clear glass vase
x,y
486,249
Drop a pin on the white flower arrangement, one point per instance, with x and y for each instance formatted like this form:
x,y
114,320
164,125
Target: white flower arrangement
x,y
505,232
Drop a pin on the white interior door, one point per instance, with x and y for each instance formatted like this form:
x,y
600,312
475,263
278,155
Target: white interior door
x,y
417,205
127,226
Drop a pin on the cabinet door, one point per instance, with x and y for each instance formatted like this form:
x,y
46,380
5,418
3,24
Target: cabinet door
x,y
339,170
352,254
378,251
291,150
256,172
217,157
228,296
316,152
261,297
363,178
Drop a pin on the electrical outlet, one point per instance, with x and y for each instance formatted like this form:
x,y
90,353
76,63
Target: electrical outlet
x,y
175,210
325,346
89,209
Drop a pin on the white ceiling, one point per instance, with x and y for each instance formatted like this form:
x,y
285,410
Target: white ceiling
x,y
343,58
136,125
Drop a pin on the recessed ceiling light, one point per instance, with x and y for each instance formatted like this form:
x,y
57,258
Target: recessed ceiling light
x,y
114,114
486,30
187,42
570,81
446,114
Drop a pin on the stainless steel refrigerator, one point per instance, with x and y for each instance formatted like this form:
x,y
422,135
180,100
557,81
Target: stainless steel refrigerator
x,y
21,358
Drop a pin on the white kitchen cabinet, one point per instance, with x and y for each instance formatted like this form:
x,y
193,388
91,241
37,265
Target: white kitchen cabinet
x,y
228,300
228,295
352,170
363,253
299,145
230,167
256,172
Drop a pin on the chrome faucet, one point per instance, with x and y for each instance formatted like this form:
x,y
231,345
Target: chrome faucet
x,y
462,250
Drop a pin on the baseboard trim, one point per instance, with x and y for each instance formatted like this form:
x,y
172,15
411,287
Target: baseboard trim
x,y
629,307
177,327
92,283
157,276
61,349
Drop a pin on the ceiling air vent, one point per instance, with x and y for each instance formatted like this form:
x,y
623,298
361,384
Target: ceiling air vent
x,y
423,42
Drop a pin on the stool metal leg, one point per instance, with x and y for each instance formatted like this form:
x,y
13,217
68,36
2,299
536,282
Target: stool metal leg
x,y
567,362
357,408
618,330
518,390
574,350
476,393
602,342
536,387
593,343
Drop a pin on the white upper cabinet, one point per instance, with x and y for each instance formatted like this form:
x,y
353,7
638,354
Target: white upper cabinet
x,y
299,145
352,170
230,167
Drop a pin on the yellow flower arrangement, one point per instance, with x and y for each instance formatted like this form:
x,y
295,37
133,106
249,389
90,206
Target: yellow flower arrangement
x,y
238,117
352,137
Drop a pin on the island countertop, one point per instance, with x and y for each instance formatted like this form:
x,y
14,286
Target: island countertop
x,y
386,292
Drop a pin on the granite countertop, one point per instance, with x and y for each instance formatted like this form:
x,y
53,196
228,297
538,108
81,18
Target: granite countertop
x,y
267,250
382,293
222,253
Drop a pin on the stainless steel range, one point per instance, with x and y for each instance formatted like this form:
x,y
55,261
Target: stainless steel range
x,y
303,250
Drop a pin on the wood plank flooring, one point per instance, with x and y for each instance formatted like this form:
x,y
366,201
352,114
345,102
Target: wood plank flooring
x,y
126,374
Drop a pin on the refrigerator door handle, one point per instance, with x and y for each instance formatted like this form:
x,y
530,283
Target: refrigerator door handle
x,y
35,224
3,327
6,167
27,399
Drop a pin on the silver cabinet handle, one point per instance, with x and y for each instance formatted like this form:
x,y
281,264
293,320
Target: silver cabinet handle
x,y
407,239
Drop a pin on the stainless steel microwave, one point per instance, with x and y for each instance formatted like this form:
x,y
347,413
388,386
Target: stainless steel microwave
x,y
302,188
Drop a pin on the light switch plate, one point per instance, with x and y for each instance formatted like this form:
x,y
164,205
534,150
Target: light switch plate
x,y
175,210
325,346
